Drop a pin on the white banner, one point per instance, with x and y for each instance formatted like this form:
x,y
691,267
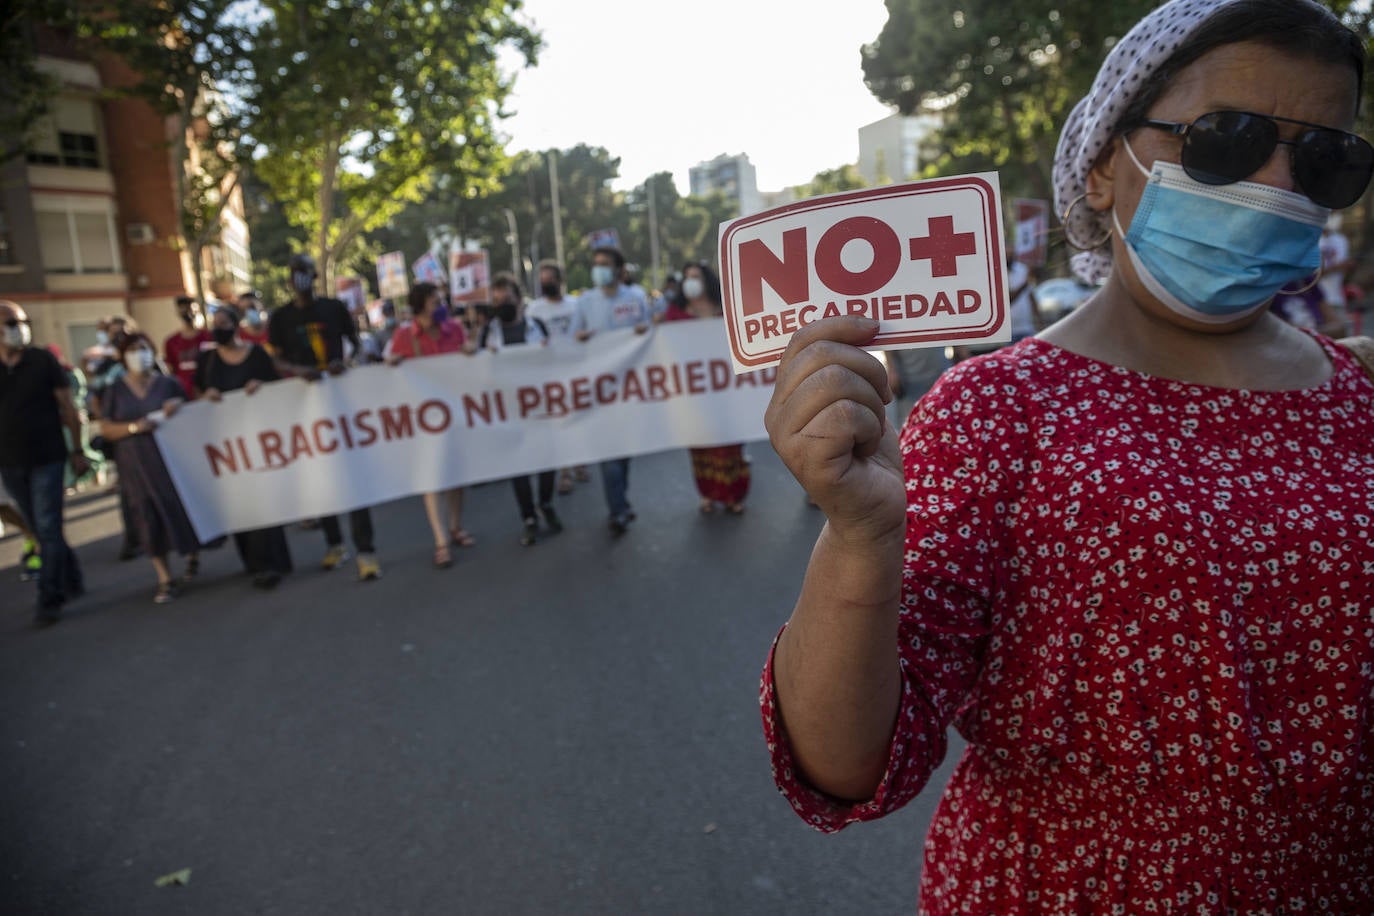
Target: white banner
x,y
299,450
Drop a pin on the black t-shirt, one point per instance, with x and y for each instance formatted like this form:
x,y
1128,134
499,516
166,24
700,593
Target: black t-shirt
x,y
30,420
312,335
214,372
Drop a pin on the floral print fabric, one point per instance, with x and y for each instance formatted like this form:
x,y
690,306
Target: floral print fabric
x,y
1149,608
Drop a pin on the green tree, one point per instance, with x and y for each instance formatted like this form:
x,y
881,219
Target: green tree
x,y
833,181
354,109
1005,75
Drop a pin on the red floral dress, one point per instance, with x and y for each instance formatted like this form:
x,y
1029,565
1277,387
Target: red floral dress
x,y
1149,607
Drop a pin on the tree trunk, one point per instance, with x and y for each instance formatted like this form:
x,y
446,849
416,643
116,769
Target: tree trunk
x,y
328,174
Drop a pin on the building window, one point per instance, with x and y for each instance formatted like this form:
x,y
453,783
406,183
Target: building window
x,y
69,135
77,235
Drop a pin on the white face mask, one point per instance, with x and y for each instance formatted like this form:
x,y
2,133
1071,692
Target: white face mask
x,y
17,337
138,361
693,288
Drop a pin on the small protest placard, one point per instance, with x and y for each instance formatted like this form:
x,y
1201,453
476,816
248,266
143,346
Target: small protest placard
x,y
391,275
924,258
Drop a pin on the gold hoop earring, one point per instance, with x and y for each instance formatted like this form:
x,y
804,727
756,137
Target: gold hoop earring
x,y
1064,221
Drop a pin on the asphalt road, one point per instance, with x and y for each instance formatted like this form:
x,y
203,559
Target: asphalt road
x,y
567,728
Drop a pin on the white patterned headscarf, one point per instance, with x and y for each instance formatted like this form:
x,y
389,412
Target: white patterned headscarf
x,y
1090,126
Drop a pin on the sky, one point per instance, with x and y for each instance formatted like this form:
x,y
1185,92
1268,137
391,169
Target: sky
x,y
664,87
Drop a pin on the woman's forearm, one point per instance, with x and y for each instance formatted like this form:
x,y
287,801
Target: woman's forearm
x,y
836,669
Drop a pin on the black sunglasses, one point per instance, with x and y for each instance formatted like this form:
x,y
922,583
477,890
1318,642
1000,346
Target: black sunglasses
x,y
15,322
1332,167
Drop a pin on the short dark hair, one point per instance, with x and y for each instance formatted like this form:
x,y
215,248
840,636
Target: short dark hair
x,y
232,311
1300,27
506,280
612,252
551,264
419,295
126,342
184,301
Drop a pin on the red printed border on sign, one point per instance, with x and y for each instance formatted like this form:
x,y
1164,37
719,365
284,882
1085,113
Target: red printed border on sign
x,y
993,249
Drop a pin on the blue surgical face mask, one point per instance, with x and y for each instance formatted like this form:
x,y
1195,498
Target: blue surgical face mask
x,y
602,275
440,314
1216,253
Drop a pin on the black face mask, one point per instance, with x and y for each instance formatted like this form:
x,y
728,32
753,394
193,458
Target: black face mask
x,y
187,317
549,290
223,336
507,312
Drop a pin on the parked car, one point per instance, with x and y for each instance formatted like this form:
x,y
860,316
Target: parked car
x,y
1061,295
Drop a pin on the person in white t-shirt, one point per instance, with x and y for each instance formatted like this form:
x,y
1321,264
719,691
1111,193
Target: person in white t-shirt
x,y
559,314
607,306
1336,261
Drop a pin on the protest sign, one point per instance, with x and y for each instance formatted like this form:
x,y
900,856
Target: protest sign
x,y
926,259
1032,231
391,275
427,269
301,450
469,277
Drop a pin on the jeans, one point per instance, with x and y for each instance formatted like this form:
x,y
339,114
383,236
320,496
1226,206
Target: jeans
x,y
359,521
38,493
615,480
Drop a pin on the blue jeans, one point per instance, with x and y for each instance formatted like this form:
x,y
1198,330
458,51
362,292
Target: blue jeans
x,y
38,493
615,480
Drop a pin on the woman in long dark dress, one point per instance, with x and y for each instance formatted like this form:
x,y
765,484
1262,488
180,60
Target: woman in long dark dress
x,y
235,365
154,505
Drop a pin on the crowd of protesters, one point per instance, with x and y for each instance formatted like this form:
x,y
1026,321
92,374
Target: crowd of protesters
x,y
127,384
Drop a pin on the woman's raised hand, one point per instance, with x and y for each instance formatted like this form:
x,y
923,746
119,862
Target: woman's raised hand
x,y
827,422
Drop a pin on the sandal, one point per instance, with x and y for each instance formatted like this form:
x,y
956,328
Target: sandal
x,y
735,508
442,558
192,568
565,485
462,538
707,507
166,591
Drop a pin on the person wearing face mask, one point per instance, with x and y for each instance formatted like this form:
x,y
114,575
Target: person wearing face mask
x,y
432,332
183,347
36,405
253,320
722,471
558,312
237,365
1128,557
511,327
127,423
306,337
103,373
610,305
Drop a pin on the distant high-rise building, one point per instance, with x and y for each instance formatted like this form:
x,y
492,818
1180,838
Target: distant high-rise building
x,y
896,148
733,176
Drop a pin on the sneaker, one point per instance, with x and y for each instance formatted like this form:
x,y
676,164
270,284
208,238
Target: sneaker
x,y
166,592
334,557
619,524
551,519
31,563
266,580
47,616
530,534
368,567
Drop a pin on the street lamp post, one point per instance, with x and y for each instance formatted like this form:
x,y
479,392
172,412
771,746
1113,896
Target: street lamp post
x,y
513,238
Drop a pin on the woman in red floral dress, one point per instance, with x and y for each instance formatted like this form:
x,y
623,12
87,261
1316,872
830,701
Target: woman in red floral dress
x,y
1131,559
721,472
